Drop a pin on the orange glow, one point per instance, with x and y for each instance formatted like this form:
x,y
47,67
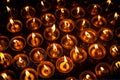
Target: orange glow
x,y
65,59
99,17
102,68
116,15
54,47
109,2
4,75
76,50
96,46
27,8
46,18
78,10
33,20
20,60
8,1
88,34
62,10
105,31
8,9
53,28
27,73
67,24
33,35
95,6
11,21
2,57
117,64
42,3
87,76
114,49
83,22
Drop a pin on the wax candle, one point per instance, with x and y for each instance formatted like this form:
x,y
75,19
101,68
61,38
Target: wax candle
x,y
97,51
64,64
114,50
54,50
45,69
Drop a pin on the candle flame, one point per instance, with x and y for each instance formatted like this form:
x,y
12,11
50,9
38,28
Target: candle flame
x,y
38,52
65,59
67,23
33,20
54,47
83,22
96,46
53,28
2,57
27,73
87,76
116,15
15,41
105,31
58,0
62,10
20,60
4,75
42,3
102,68
68,37
78,10
76,49
46,18
95,6
117,64
8,9
8,1
99,17
109,2
27,8
46,67
88,34
11,21
114,49
33,35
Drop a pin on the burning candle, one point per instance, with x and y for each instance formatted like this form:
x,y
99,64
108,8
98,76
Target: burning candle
x,y
5,60
51,33
105,34
33,23
54,50
78,55
87,75
97,51
88,35
4,42
37,55
14,26
82,24
17,43
62,13
115,65
67,25
94,9
46,69
29,74
64,64
20,61
70,78
35,39
99,21
48,19
77,12
102,69
114,50
69,41
28,12
113,18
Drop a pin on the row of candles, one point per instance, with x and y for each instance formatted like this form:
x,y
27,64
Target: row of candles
x,y
52,32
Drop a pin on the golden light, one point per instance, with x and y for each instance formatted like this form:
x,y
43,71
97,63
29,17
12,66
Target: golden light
x,y
54,47
95,6
83,22
67,24
105,31
76,49
58,0
27,8
15,41
53,28
102,68
4,75
20,60
33,35
87,76
8,1
38,52
109,2
27,73
88,34
78,10
45,67
8,9
116,15
117,64
46,18
114,49
2,57
11,21
68,38
99,17
62,10
65,59
42,3
96,46
33,20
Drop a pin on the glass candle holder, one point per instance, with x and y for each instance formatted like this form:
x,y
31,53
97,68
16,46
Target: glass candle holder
x,y
113,18
45,69
29,74
7,75
17,43
69,41
99,21
43,5
87,75
14,26
4,43
102,69
114,50
82,24
105,34
33,23
20,61
54,50
94,9
28,12
5,60
51,33
66,25
115,65
78,55
62,13
70,78
37,55
88,35
11,12
60,3
97,51
77,12
64,64
35,39
48,19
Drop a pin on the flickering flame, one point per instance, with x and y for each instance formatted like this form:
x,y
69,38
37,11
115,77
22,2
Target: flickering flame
x,y
76,49
96,46
95,6
46,18
117,64
27,73
78,10
68,38
8,1
42,3
46,67
33,35
88,34
87,76
2,57
27,8
116,15
11,21
114,49
62,10
38,52
33,20
109,2
53,28
65,59
102,68
20,60
105,31
67,23
58,0
4,75
15,41
54,47
83,22
8,9
99,17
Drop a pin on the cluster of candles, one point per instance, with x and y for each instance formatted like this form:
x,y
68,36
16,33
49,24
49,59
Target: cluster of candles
x,y
80,39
